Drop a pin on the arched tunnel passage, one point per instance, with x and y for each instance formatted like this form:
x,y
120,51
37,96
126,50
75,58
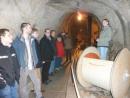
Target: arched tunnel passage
x,y
83,27
116,10
72,26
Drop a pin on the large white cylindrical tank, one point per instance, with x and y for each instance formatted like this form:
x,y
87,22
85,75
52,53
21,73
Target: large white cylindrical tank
x,y
97,72
110,75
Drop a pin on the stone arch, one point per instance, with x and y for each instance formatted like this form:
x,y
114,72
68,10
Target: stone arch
x,y
67,25
102,10
117,21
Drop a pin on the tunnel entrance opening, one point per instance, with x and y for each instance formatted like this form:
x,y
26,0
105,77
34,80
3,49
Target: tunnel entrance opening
x,y
83,27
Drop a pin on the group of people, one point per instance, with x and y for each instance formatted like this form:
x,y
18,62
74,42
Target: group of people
x,y
18,60
22,58
54,47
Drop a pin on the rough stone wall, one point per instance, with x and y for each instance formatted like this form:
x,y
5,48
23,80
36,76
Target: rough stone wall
x,y
36,12
14,12
50,13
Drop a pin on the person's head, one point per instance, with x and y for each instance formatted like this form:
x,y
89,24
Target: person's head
x,y
66,35
53,33
59,38
47,32
26,28
63,34
35,33
6,37
105,22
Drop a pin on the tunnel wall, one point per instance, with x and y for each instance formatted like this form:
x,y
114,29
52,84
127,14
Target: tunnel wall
x,y
117,11
36,12
50,13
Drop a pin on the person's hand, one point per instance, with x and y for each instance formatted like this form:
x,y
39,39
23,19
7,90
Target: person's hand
x,y
43,62
97,39
2,80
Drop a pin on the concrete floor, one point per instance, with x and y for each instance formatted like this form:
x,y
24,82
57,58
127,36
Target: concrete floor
x,y
60,87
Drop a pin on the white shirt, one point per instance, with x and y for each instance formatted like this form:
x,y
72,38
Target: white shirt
x,y
30,60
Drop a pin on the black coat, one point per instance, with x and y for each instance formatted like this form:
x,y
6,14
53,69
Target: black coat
x,y
46,49
9,66
37,46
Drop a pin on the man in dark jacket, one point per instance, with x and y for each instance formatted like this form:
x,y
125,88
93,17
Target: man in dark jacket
x,y
47,54
35,35
53,38
9,66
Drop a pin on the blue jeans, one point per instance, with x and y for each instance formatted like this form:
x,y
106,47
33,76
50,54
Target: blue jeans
x,y
103,52
52,66
58,62
9,91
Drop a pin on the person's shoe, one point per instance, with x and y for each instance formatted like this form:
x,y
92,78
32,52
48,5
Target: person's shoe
x,y
47,82
42,97
32,90
51,74
42,90
57,69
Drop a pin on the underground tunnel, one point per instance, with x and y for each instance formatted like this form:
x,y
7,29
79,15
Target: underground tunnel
x,y
81,19
84,28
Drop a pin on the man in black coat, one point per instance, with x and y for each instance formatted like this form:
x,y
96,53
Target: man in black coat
x,y
47,54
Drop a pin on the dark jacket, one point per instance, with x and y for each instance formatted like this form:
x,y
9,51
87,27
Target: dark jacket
x,y
54,44
9,66
37,45
105,37
46,48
